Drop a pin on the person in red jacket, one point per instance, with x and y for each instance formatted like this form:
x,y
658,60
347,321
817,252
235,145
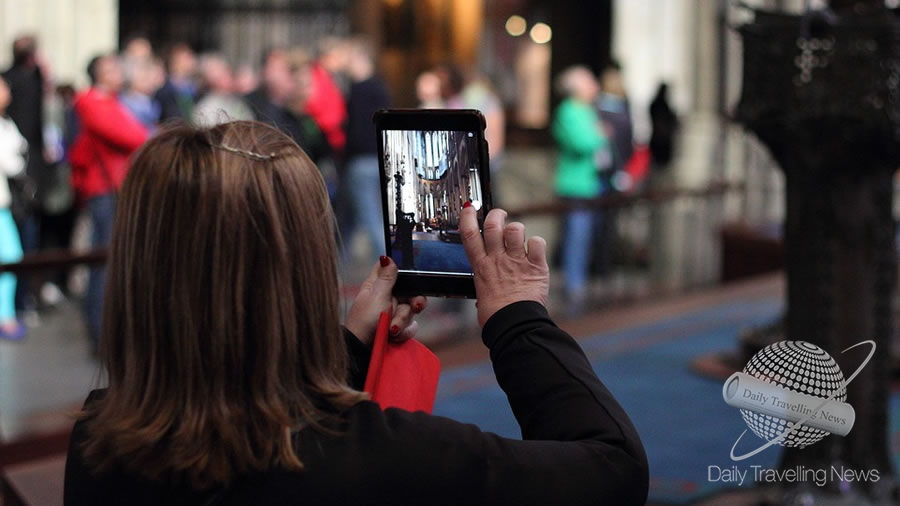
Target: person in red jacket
x,y
108,135
325,103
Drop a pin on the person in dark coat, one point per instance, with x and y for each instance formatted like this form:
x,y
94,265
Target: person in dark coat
x,y
232,382
26,86
269,104
614,110
665,126
360,182
178,93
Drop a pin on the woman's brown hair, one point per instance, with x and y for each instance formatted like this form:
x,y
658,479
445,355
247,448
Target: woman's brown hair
x,y
221,332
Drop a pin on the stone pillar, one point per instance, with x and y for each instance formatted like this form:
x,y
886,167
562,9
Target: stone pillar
x,y
69,32
677,42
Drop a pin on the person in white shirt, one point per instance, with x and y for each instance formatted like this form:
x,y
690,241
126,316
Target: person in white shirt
x,y
12,162
220,104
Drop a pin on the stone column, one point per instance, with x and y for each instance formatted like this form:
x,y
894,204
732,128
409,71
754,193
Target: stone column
x,y
677,42
69,32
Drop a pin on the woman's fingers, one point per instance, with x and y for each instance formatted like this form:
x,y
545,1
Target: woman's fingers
x,y
402,318
385,278
537,250
493,231
408,333
471,236
418,304
514,239
403,326
369,282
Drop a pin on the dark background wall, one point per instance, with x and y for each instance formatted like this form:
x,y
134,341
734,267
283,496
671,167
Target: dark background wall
x,y
582,32
412,35
242,29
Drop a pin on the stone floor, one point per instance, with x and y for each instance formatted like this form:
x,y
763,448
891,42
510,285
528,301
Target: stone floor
x,y
46,374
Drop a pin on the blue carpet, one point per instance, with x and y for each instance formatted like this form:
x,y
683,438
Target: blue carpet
x,y
683,421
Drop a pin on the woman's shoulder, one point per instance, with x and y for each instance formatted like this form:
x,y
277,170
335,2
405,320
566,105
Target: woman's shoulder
x,y
390,453
373,456
384,437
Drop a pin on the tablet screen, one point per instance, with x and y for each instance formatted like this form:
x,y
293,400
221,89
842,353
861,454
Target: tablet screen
x,y
429,176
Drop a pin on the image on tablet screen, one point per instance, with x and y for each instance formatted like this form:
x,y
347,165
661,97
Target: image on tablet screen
x,y
430,175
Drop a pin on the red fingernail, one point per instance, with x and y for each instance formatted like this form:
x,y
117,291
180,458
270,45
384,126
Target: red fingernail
x,y
384,261
395,330
467,204
419,306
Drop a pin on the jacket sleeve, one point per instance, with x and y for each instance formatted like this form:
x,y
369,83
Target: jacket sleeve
x,y
359,355
576,132
578,447
329,111
111,123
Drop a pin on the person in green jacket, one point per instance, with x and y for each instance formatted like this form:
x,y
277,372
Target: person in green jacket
x,y
581,142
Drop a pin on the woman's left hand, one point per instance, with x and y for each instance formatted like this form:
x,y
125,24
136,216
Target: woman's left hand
x,y
374,297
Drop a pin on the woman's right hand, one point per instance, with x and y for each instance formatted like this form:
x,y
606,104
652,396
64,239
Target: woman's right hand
x,y
507,270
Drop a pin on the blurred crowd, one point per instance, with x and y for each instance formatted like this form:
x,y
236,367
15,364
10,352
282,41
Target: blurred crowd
x,y
597,155
64,152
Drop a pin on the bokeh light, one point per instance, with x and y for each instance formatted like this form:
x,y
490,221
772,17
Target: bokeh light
x,y
541,33
516,25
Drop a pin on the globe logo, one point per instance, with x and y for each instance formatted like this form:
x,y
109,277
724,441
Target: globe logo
x,y
792,394
799,367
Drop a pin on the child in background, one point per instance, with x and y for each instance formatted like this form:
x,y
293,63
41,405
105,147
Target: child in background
x,y
12,162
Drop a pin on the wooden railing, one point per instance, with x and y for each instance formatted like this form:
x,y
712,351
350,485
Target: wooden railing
x,y
624,200
55,259
61,258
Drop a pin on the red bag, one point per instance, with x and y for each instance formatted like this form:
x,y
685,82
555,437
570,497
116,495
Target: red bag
x,y
638,165
401,375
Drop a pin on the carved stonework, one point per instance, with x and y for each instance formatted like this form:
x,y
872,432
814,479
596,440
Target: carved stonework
x,y
822,92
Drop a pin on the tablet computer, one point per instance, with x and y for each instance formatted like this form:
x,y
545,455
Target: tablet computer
x,y
431,162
